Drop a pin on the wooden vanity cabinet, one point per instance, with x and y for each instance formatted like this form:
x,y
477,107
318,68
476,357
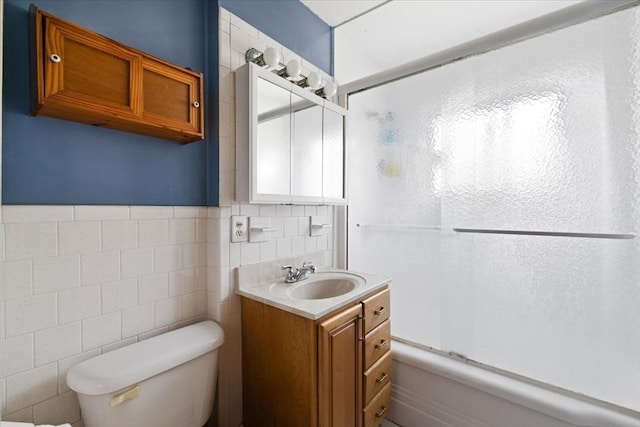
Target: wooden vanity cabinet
x,y
82,76
302,372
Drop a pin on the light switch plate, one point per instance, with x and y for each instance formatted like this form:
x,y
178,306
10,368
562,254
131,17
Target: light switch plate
x,y
239,231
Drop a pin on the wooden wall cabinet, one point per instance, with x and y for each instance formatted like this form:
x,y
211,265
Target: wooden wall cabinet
x,y
82,76
330,372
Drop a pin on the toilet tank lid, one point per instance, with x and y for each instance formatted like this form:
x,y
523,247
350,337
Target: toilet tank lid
x,y
134,363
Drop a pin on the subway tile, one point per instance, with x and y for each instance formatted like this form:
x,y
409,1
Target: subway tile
x,y
1,240
194,255
78,237
78,304
168,311
182,231
283,247
30,387
290,227
181,282
310,244
310,210
153,288
136,262
151,212
100,267
297,245
36,213
249,210
201,230
138,320
56,273
21,416
268,250
235,254
57,343
101,330
118,344
119,234
60,409
30,240
194,305
67,363
119,295
17,354
153,333
303,226
16,279
249,253
322,243
167,258
153,232
30,314
189,211
92,213
201,278
297,210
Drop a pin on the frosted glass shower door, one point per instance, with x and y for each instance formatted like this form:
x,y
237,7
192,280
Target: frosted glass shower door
x,y
502,195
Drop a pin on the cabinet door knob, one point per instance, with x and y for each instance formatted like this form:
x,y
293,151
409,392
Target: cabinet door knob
x,y
381,344
54,57
382,378
196,104
379,311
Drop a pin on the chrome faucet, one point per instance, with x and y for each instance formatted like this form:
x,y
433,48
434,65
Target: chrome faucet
x,y
297,274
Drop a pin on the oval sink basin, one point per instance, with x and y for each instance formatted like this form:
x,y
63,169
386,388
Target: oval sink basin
x,y
320,285
323,288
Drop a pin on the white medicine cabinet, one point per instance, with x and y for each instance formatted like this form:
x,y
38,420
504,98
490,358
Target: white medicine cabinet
x,y
289,142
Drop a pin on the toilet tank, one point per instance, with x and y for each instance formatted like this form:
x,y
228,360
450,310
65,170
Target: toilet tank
x,y
165,381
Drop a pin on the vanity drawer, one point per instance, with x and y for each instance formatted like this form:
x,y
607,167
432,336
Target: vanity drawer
x,y
378,376
377,410
377,343
376,310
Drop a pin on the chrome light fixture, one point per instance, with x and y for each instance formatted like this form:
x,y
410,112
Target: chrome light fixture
x,y
270,58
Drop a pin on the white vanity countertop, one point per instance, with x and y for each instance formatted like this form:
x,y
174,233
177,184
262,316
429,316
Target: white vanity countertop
x,y
313,308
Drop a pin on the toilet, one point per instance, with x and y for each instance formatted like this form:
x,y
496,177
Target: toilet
x,y
165,381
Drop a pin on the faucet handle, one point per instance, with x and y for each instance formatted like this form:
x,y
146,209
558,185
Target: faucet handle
x,y
309,265
285,267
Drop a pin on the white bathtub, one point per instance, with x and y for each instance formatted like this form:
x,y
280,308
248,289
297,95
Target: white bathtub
x,y
432,390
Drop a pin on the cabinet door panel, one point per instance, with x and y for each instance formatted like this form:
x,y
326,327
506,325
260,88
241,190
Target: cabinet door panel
x,y
170,97
84,70
306,148
340,369
333,155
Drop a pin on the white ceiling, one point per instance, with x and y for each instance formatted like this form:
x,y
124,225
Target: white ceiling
x,y
336,12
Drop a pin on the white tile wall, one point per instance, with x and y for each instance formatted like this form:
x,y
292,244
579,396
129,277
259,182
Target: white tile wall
x,y
78,281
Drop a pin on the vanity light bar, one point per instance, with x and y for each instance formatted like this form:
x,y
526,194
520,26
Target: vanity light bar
x,y
270,58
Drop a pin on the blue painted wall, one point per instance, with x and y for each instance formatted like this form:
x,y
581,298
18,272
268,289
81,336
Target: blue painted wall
x,y
292,24
51,161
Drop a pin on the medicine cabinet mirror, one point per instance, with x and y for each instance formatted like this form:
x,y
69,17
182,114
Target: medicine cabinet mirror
x,y
289,142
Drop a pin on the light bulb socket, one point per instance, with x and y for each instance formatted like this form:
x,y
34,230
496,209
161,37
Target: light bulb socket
x,y
328,90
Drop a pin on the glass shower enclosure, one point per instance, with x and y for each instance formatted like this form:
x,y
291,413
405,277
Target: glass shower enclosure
x,y
501,193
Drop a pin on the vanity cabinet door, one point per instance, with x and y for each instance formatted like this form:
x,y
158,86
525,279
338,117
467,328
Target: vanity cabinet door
x,y
340,369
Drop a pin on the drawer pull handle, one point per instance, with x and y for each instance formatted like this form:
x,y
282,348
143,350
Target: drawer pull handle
x,y
196,104
381,412
379,311
382,378
381,344
54,57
